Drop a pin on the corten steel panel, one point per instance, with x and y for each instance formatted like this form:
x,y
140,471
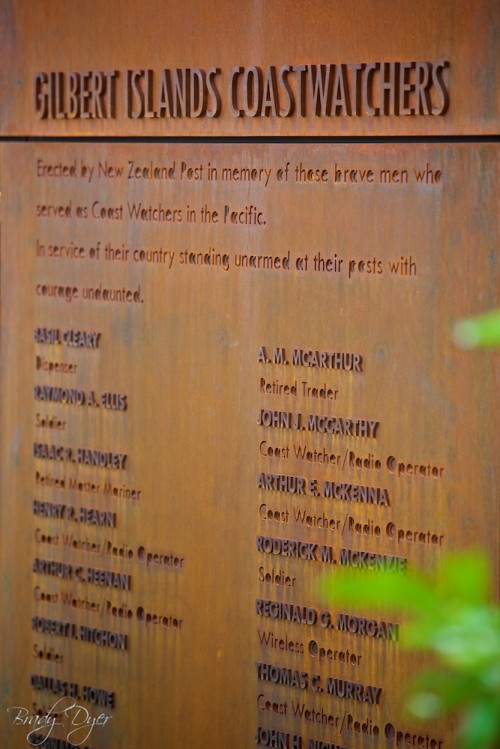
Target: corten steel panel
x,y
446,53
192,287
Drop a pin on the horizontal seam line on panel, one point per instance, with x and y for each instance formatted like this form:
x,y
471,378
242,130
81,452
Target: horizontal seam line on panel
x,y
251,139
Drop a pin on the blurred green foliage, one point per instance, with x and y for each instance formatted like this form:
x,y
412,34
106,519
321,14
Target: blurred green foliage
x,y
449,614
480,331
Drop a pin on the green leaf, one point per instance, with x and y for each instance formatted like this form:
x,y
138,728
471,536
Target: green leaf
x,y
451,690
409,593
480,728
464,578
426,705
449,615
483,330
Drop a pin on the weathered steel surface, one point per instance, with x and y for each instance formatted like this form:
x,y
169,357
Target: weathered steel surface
x,y
158,302
286,68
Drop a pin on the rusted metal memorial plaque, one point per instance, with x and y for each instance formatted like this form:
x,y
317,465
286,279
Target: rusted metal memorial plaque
x,y
229,368
226,368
